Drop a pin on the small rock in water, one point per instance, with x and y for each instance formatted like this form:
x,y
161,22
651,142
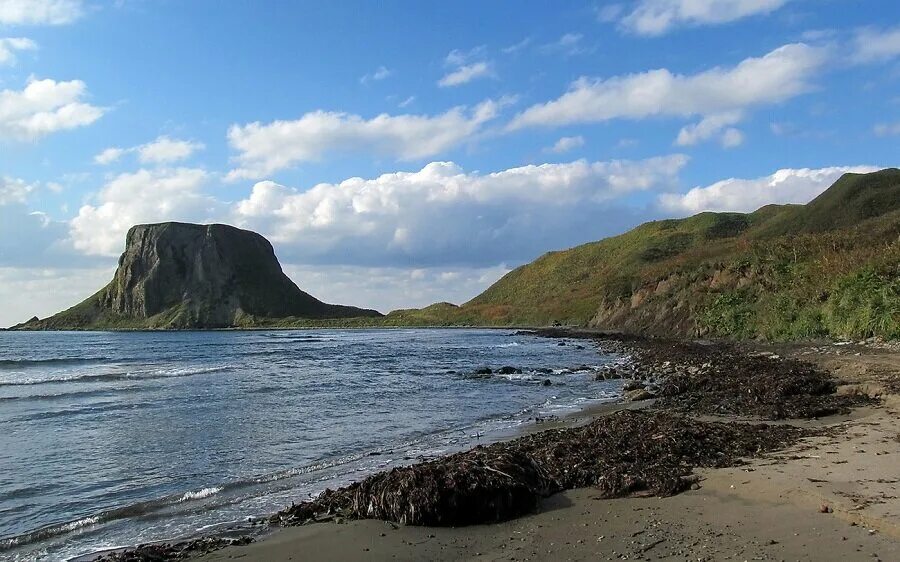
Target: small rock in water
x,y
483,371
509,371
547,382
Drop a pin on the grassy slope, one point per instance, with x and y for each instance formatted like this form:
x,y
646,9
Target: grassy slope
x,y
828,268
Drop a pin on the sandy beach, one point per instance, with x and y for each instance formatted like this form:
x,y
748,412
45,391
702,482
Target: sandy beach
x,y
829,497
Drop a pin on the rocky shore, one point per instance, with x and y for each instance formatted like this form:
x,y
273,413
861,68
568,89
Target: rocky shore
x,y
699,406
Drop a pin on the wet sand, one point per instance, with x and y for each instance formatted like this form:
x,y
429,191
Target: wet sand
x,y
830,497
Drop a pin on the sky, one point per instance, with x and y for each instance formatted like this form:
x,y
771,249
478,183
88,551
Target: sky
x,y
402,153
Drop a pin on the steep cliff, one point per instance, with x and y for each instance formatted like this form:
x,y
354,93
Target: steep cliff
x,y
176,275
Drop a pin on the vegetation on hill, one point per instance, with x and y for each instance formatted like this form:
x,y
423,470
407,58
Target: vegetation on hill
x,y
830,268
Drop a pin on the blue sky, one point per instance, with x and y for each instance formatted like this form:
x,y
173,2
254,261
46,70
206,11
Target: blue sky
x,y
398,153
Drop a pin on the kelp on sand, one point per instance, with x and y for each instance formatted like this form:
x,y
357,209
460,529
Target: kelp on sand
x,y
625,453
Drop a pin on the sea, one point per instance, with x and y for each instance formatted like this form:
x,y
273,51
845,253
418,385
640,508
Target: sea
x,y
111,439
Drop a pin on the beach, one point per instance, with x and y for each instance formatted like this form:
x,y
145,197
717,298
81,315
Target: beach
x,y
828,496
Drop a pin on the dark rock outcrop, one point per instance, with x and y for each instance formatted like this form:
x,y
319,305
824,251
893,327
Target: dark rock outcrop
x,y
177,275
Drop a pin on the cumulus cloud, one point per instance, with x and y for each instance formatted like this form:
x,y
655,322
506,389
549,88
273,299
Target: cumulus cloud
x,y
45,107
872,44
780,75
109,155
41,291
390,288
657,17
10,45
14,190
713,126
266,148
444,215
565,144
40,12
163,150
167,150
140,197
745,195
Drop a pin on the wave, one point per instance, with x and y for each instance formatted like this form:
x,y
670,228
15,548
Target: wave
x,y
200,494
118,376
109,515
18,364
64,395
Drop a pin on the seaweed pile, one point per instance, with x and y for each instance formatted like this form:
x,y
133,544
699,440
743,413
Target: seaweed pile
x,y
722,380
626,453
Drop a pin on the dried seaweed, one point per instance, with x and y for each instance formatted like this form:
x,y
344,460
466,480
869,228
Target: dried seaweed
x,y
621,454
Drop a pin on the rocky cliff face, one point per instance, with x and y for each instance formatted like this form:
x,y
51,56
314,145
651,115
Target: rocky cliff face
x,y
176,275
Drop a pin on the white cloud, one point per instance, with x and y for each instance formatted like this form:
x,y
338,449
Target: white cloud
x,y
778,76
163,150
380,73
732,138
140,197
887,129
45,107
466,66
465,74
566,144
876,45
390,288
717,125
443,215
407,101
516,47
109,155
38,291
167,150
14,190
39,12
458,57
656,17
746,195
266,148
10,45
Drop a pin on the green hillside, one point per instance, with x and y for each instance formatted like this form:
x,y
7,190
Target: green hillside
x,y
828,268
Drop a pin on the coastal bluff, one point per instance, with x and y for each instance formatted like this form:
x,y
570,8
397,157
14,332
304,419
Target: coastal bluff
x,y
190,276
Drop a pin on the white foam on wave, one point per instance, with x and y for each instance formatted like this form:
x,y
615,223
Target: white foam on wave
x,y
513,344
516,376
200,494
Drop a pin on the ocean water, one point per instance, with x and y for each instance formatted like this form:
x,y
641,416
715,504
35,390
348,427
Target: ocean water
x,y
112,439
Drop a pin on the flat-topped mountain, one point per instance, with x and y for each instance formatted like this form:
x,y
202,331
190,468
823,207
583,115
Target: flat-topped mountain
x,y
830,268
177,275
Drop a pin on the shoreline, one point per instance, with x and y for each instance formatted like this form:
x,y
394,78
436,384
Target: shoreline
x,y
290,540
